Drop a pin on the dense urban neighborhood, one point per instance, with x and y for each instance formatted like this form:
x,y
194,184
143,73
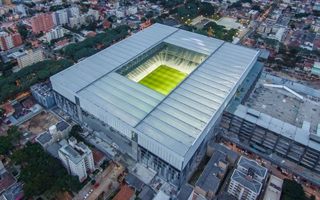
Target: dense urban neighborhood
x,y
160,99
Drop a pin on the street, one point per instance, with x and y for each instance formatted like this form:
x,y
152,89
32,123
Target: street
x,y
108,181
103,181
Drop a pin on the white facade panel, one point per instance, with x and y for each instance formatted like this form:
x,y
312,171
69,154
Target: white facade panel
x,y
62,90
107,118
194,42
158,149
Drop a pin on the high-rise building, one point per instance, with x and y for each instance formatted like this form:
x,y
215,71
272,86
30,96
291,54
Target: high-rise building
x,y
42,23
63,16
60,17
77,158
8,41
247,180
43,93
30,57
55,33
73,11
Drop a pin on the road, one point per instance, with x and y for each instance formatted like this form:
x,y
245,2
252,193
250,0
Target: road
x,y
105,178
108,177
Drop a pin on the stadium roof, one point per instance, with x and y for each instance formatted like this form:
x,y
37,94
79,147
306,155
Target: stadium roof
x,y
175,120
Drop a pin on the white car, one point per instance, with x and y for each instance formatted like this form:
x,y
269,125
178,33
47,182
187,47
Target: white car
x,y
114,145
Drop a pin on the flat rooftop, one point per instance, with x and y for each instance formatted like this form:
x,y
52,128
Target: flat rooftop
x,y
294,115
251,184
213,173
251,164
283,105
175,121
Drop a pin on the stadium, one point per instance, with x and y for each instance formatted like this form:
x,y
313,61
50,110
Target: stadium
x,y
164,69
158,94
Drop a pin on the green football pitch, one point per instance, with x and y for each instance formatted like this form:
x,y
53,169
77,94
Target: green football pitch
x,y
163,79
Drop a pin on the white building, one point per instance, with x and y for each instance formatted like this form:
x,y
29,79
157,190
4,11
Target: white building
x,y
7,39
274,189
94,13
60,17
132,10
77,158
77,21
247,180
279,34
166,132
55,33
120,13
30,57
73,11
21,8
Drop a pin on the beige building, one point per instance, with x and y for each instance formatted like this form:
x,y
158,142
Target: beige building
x,y
30,57
274,188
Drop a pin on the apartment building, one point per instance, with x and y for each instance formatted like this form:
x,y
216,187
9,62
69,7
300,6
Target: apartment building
x,y
8,41
30,57
42,23
77,158
247,179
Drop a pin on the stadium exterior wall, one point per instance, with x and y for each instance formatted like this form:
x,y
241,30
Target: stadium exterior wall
x,y
106,117
164,153
63,91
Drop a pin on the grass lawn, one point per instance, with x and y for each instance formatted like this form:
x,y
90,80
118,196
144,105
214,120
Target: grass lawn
x,y
163,79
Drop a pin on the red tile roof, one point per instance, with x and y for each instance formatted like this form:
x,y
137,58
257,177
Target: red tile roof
x,y
97,156
125,193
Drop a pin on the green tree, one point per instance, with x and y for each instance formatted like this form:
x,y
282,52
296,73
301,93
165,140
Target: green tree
x,y
2,112
206,9
292,190
22,29
14,134
42,173
74,132
23,79
7,142
5,145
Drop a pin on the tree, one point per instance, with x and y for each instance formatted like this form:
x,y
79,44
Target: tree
x,y
292,190
5,145
22,29
312,197
7,142
206,9
76,129
88,46
2,112
256,7
14,134
149,15
236,5
74,132
42,173
29,76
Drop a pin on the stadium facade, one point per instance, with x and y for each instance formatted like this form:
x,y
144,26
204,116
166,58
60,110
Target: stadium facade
x,y
166,131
